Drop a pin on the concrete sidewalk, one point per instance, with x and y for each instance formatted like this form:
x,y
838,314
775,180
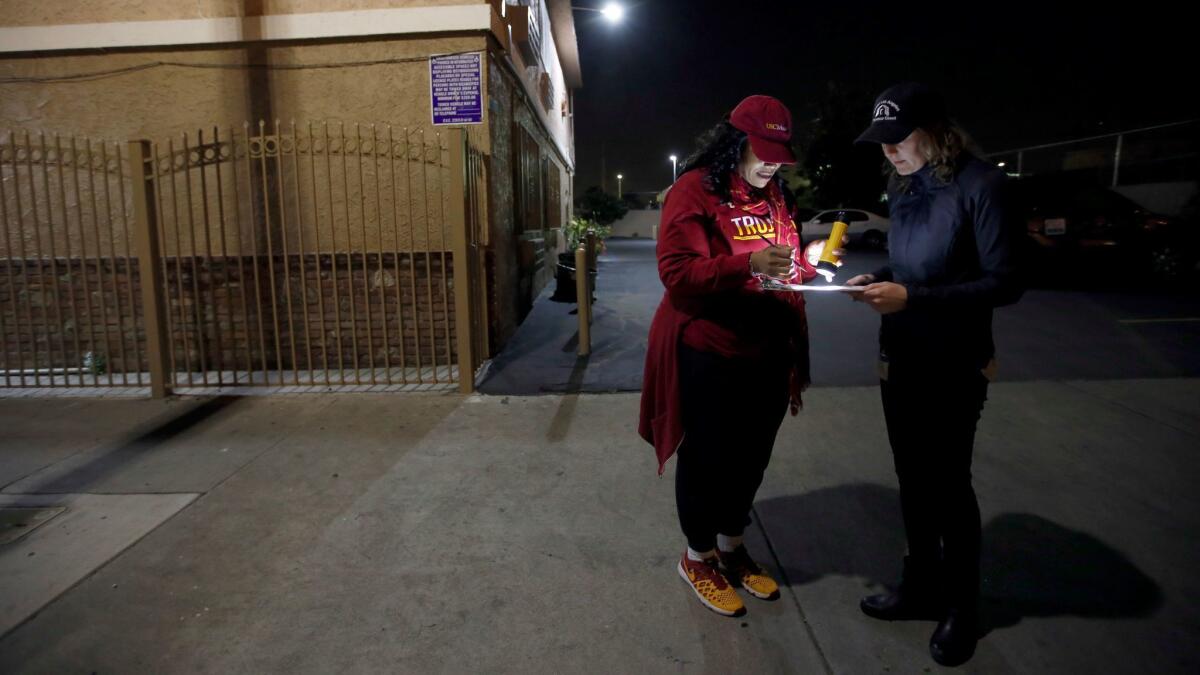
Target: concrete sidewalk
x,y
542,355
440,533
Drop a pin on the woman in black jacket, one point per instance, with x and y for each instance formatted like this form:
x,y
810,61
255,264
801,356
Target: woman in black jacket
x,y
950,263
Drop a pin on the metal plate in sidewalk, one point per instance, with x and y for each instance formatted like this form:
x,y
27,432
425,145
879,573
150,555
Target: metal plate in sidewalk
x,y
17,521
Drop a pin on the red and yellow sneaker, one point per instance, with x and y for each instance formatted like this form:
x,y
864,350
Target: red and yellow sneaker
x,y
741,569
712,588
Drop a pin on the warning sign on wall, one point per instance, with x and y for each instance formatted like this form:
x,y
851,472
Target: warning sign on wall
x,y
456,88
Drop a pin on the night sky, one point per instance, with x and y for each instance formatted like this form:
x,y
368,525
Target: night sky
x,y
1013,73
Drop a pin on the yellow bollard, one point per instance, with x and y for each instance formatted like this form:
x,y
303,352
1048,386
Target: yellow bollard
x,y
583,295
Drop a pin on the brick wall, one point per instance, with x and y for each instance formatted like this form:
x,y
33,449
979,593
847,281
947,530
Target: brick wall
x,y
221,317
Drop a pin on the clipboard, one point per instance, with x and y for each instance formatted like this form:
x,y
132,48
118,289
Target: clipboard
x,y
811,288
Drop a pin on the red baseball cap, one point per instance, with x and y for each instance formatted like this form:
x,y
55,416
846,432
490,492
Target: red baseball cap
x,y
768,123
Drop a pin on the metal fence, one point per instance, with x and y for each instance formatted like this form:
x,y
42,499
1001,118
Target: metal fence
x,y
70,311
1162,153
315,255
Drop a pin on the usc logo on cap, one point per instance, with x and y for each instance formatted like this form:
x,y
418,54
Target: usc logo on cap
x,y
775,126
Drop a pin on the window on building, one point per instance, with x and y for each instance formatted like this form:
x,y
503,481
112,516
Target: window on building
x,y
528,182
553,198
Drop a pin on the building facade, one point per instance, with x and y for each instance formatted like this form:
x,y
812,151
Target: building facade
x,y
292,87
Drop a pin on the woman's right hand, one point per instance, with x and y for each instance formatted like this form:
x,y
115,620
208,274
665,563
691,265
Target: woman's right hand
x,y
773,261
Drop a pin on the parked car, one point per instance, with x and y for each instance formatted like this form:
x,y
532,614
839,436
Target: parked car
x,y
1083,228
866,229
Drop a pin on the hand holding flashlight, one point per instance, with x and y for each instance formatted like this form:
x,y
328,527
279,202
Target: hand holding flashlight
x,y
830,258
814,250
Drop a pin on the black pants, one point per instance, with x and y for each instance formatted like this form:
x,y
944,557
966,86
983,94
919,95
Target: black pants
x,y
931,420
732,409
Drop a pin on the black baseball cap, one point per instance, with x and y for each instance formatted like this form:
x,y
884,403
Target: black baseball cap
x,y
900,109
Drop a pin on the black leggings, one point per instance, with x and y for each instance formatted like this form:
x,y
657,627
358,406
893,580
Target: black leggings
x,y
931,425
732,409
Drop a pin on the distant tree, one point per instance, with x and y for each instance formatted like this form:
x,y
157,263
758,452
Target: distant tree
x,y
600,206
796,178
841,173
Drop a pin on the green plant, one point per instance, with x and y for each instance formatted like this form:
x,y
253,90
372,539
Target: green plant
x,y
577,228
96,364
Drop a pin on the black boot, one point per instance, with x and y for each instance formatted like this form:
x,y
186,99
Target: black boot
x,y
953,643
916,598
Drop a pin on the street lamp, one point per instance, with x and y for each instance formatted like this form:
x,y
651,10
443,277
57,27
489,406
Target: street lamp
x,y
613,12
674,167
619,177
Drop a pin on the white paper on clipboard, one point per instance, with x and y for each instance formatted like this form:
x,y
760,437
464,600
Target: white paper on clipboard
x,y
811,288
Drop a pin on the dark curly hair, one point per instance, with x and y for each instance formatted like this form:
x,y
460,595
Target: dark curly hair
x,y
719,152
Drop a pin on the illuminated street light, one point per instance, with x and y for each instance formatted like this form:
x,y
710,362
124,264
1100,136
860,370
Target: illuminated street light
x,y
674,167
613,12
619,178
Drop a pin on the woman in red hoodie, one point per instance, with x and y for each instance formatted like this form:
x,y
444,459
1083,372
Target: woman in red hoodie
x,y
725,358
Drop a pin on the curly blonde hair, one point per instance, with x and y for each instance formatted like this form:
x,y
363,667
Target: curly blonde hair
x,y
941,146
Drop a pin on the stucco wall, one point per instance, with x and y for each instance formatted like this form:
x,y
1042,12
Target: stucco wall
x,y
637,223
163,103
54,12
213,87
130,94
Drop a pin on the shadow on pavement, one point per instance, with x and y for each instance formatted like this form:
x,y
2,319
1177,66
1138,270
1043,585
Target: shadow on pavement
x,y
109,460
1037,568
561,424
1032,567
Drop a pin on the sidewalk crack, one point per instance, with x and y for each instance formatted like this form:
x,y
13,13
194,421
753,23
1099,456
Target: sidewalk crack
x,y
762,527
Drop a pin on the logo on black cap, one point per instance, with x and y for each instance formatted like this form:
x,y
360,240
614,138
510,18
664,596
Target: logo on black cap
x,y
886,111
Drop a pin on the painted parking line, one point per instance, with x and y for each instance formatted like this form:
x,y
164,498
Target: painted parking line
x,y
1182,319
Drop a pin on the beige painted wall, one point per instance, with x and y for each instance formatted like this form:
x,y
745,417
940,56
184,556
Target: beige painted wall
x,y
164,103
145,104
56,12
212,87
641,223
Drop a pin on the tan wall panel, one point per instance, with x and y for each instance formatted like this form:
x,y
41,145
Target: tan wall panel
x,y
168,100
393,93
57,12
164,103
149,103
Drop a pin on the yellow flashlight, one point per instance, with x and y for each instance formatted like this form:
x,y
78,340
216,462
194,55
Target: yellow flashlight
x,y
827,264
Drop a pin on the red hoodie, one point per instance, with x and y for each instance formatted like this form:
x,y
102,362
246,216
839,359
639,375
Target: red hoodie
x,y
714,303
